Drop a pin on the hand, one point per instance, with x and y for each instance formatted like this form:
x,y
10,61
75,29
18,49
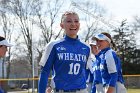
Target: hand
x,y
110,90
49,89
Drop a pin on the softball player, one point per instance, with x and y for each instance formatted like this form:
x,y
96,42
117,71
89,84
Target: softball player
x,y
3,48
67,57
110,65
97,81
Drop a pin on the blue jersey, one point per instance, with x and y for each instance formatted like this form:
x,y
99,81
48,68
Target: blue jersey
x,y
89,76
68,59
110,67
96,70
1,91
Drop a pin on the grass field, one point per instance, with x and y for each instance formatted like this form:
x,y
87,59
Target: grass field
x,y
133,90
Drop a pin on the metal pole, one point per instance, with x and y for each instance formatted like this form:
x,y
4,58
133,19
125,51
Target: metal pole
x,y
33,86
3,69
33,89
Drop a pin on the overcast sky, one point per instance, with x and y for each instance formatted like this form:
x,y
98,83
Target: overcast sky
x,y
122,9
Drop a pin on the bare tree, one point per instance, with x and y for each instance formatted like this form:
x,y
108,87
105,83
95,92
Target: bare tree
x,y
46,21
136,23
53,8
7,27
24,12
91,10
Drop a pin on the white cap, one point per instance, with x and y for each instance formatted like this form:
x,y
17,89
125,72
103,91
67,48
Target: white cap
x,y
4,42
93,42
102,37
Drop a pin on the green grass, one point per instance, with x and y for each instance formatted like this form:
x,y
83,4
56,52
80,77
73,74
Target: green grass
x,y
133,90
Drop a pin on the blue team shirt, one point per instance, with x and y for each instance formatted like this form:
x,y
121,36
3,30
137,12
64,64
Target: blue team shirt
x,y
1,91
96,69
89,76
110,67
68,59
96,72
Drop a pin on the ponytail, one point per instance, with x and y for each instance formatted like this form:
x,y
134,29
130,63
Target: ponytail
x,y
112,43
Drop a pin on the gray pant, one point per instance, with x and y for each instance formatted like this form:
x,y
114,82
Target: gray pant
x,y
89,87
120,88
99,88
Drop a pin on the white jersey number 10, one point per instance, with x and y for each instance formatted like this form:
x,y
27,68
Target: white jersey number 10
x,y
74,68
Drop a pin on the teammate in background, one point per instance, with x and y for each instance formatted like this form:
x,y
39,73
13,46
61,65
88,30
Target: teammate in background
x,y
110,65
3,48
67,57
97,81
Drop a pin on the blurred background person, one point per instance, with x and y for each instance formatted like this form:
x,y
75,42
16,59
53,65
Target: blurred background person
x,y
3,49
97,86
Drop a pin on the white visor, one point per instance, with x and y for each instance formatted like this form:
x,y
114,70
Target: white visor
x,y
93,42
4,42
102,37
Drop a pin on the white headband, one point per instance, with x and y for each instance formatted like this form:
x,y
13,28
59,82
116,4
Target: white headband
x,y
93,42
102,37
4,42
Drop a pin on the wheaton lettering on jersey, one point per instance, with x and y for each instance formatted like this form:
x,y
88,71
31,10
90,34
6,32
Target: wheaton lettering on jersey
x,y
72,57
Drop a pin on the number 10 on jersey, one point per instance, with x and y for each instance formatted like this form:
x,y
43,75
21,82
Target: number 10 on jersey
x,y
74,68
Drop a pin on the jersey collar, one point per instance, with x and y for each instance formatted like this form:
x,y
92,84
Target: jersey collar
x,y
106,49
71,39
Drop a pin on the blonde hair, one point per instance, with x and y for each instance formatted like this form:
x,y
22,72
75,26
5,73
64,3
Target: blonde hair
x,y
68,13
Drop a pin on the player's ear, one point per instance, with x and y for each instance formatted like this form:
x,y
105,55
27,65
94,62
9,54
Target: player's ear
x,y
61,25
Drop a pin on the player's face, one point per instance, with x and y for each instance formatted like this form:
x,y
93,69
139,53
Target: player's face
x,y
3,50
102,44
71,25
94,49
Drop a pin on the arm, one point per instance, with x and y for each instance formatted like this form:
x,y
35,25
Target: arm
x,y
112,69
110,90
89,65
46,62
89,62
113,79
43,81
112,83
49,89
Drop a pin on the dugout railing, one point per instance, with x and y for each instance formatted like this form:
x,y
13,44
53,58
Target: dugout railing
x,y
131,81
